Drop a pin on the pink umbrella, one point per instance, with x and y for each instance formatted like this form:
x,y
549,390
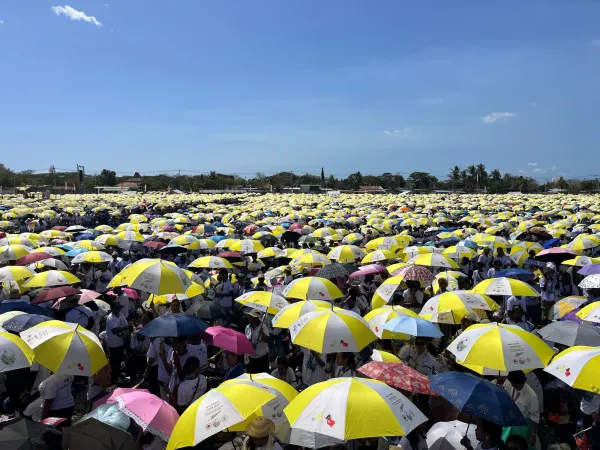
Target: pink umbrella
x,y
32,258
151,413
368,270
414,273
87,296
112,397
131,293
230,340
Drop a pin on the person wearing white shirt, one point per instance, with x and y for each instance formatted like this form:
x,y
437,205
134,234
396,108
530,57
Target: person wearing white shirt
x,y
413,296
484,258
57,397
116,328
313,367
174,362
201,350
497,267
547,291
479,274
156,372
512,301
193,386
418,357
526,400
284,372
258,335
102,277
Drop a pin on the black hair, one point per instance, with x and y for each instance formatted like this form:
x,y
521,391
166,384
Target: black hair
x,y
517,377
519,440
191,365
283,361
351,360
494,431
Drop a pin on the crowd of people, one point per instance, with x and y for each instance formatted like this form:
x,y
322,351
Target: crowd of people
x,y
281,240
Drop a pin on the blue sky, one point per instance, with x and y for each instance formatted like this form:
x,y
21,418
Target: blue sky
x,y
242,86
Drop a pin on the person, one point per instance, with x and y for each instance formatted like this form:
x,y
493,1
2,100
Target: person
x,y
516,442
526,400
139,346
284,372
531,263
102,277
484,259
193,386
504,259
416,439
590,414
515,317
224,293
413,296
116,331
346,364
479,273
313,367
469,319
258,335
58,401
174,361
156,372
260,435
235,368
79,314
418,357
488,434
547,291
496,267
200,347
515,300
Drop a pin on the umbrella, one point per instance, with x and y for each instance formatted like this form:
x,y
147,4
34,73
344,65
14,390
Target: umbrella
x,y
14,273
204,309
173,249
217,410
399,376
4,317
14,353
380,355
551,243
131,246
578,367
263,301
555,255
331,331
210,262
378,255
517,274
590,313
477,397
413,326
154,244
572,316
447,435
414,273
19,433
369,269
592,269
51,278
505,286
153,276
378,317
24,322
571,333
66,348
174,325
565,305
76,251
289,314
500,347
590,282
32,258
13,252
273,410
105,428
451,307
112,397
129,292
230,340
343,409
346,254
434,260
312,288
335,270
93,257
55,293
151,413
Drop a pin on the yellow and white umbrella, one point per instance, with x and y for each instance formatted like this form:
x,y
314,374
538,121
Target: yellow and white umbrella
x,y
581,261
378,255
15,273
130,236
346,254
505,286
109,239
88,244
380,355
13,252
14,353
565,305
500,347
153,276
386,291
52,251
458,252
312,288
210,262
247,246
51,278
263,301
434,260
289,314
310,259
451,307
377,318
385,243
272,252
590,313
331,331
93,257
578,367
343,409
66,348
217,410
583,242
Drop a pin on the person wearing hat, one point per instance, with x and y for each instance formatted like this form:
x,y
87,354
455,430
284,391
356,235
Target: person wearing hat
x,y
257,333
260,435
526,400
116,331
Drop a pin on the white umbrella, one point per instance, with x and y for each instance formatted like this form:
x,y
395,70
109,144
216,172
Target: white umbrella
x,y
591,282
447,435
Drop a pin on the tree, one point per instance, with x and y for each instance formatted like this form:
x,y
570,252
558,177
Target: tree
x,y
421,180
322,176
455,176
107,178
496,177
354,181
137,175
481,175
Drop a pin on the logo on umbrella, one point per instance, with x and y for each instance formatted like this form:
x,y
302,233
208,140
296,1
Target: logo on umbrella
x,y
7,357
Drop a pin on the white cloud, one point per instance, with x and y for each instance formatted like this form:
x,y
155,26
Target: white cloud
x,y
495,116
532,164
1,21
538,170
554,168
73,14
403,132
595,43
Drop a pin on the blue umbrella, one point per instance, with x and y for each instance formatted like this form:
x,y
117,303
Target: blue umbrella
x,y
469,244
218,224
20,306
413,326
174,325
75,251
64,247
551,243
518,274
448,241
477,397
217,238
83,236
591,269
24,322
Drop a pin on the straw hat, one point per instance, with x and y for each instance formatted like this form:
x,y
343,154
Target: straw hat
x,y
260,427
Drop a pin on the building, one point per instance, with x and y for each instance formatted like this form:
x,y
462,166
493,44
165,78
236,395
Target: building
x,y
371,190
132,184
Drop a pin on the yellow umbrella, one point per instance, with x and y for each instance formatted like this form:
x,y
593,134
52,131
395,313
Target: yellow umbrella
x,y
51,278
289,314
377,318
578,367
153,276
505,286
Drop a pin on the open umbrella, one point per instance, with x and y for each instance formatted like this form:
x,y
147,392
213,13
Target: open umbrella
x,y
331,271
447,435
230,340
414,273
51,278
24,322
204,309
289,314
312,288
174,325
451,307
398,375
32,258
378,317
477,397
413,326
263,301
555,255
505,286
55,293
14,353
19,433
153,276
590,313
151,413
571,334
578,367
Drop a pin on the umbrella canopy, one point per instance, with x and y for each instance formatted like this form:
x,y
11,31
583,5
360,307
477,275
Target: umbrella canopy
x,y
369,269
174,325
590,313
500,347
378,317
346,254
204,309
590,282
565,305
55,293
414,273
24,322
434,260
93,257
289,314
413,326
14,352
399,376
331,331
151,413
51,278
210,262
555,255
592,269
217,410
153,276
19,433
343,408
331,271
112,397
451,307
312,288
578,367
505,286
230,340
32,258
263,301
66,348
571,334
477,397
14,273
447,435
380,355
